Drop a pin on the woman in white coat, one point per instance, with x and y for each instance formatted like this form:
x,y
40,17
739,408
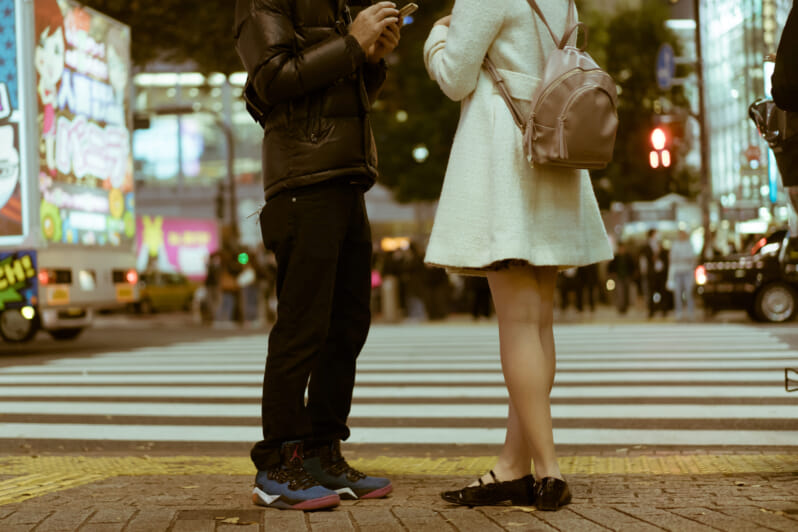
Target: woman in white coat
x,y
517,225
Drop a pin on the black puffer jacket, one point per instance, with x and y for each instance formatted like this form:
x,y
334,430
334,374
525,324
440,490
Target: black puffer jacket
x,y
310,88
785,75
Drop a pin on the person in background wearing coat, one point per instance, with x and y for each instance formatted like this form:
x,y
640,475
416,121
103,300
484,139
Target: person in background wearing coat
x,y
681,275
785,72
655,258
785,94
498,217
312,75
623,269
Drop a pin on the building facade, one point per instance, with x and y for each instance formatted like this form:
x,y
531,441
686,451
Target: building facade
x,y
737,35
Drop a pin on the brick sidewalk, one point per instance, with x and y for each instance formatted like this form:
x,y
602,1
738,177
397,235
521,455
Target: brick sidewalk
x,y
727,501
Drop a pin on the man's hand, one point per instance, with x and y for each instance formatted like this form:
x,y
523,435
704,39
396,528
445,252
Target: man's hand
x,y
372,22
386,43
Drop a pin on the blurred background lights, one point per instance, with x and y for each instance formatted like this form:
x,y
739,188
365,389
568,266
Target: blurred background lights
x,y
420,153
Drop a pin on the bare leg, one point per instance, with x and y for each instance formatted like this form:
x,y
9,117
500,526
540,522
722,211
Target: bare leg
x,y
524,298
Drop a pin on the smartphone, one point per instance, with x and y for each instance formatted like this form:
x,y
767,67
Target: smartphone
x,y
407,10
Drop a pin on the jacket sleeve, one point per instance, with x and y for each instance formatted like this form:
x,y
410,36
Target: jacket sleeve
x,y
374,76
279,72
785,75
454,55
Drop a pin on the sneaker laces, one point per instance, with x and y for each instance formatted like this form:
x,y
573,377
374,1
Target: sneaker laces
x,y
340,467
297,477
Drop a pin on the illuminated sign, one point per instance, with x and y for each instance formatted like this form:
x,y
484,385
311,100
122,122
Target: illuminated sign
x,y
85,161
176,245
11,204
18,279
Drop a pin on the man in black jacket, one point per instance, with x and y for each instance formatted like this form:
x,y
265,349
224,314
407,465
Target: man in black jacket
x,y
313,73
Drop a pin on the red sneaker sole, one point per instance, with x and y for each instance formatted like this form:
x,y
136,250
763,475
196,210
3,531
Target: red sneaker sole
x,y
376,494
314,504
318,504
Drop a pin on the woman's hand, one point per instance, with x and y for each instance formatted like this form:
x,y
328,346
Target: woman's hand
x,y
445,21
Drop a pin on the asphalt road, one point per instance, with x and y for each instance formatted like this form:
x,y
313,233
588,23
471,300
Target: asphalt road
x,y
117,332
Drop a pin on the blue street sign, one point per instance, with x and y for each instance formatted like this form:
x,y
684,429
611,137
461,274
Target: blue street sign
x,y
666,66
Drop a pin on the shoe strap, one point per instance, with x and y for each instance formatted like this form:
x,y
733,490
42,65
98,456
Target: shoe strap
x,y
492,474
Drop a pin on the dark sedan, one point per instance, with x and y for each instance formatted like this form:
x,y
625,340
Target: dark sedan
x,y
763,282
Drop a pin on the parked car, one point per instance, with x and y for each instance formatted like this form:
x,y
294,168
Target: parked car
x,y
160,291
763,282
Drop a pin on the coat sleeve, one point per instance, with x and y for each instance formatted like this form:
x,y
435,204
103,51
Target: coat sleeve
x,y
785,74
278,70
454,55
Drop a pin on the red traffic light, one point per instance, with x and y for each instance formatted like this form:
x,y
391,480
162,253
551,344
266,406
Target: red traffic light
x,y
659,139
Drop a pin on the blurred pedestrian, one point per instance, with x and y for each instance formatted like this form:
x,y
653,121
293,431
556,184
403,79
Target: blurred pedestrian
x,y
228,289
414,280
479,291
312,75
568,283
655,259
439,291
622,268
500,218
587,284
681,275
210,302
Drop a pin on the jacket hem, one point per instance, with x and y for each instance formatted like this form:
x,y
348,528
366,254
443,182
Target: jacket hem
x,y
357,174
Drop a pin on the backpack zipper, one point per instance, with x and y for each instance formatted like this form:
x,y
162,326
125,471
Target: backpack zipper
x,y
553,85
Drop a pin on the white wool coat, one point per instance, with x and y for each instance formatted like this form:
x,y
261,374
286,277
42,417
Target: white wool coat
x,y
494,206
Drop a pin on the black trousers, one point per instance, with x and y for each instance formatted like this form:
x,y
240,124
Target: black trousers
x,y
321,238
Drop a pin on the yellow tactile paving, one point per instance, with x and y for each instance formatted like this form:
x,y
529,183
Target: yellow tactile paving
x,y
28,486
36,476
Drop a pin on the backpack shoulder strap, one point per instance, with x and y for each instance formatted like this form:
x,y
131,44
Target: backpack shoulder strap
x,y
504,92
571,23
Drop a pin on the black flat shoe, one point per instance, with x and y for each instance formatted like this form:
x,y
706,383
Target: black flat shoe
x,y
519,492
552,494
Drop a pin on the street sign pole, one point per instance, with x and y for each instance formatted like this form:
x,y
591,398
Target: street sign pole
x,y
706,183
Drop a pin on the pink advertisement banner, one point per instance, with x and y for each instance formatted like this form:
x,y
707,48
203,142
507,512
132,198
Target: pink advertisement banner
x,y
175,245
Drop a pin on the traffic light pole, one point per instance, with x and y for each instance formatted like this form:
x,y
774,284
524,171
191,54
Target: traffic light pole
x,y
706,182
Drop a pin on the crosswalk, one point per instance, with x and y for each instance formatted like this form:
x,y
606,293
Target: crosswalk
x,y
621,385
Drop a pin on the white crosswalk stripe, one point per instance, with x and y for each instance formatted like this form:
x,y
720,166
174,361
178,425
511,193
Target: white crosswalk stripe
x,y
623,385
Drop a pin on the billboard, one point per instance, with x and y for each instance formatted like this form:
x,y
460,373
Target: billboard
x,y
19,281
11,193
82,61
176,245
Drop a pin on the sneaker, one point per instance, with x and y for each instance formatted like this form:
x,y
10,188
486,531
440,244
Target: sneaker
x,y
289,486
328,466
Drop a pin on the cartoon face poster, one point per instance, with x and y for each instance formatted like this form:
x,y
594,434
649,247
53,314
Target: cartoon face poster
x,y
85,161
11,222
